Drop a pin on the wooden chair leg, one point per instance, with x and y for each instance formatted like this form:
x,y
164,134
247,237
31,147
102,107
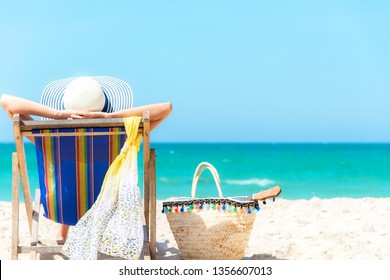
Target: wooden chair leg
x,y
146,152
152,201
35,224
145,254
15,207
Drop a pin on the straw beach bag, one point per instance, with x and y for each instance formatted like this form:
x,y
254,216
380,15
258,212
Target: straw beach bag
x,y
210,228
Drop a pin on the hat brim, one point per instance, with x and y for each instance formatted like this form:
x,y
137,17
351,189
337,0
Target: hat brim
x,y
117,92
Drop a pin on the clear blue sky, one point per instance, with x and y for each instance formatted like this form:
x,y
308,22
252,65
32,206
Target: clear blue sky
x,y
236,71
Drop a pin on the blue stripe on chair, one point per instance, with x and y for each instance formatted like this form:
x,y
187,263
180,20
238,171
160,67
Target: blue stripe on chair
x,y
40,163
69,185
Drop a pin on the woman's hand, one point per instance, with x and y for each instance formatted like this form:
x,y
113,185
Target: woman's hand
x,y
69,114
73,114
90,115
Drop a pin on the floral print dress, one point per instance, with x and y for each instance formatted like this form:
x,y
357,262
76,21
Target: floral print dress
x,y
113,225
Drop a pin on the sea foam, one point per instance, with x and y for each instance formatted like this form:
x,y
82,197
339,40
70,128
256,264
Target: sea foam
x,y
254,181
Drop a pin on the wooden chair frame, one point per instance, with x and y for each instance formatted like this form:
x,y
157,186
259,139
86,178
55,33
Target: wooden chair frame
x,y
19,173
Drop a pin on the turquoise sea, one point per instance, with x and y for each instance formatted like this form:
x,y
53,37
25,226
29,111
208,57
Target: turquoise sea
x,y
302,170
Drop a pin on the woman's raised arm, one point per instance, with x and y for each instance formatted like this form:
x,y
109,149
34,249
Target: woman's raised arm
x,y
157,112
27,108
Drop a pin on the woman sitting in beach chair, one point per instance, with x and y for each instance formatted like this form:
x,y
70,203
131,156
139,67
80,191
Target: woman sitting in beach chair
x,y
84,97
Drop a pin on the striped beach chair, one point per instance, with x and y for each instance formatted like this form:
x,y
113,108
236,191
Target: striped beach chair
x,y
72,168
73,157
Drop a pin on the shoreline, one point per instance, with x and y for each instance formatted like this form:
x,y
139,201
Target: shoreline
x,y
315,229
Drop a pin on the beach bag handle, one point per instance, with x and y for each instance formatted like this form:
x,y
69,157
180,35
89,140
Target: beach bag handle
x,y
199,170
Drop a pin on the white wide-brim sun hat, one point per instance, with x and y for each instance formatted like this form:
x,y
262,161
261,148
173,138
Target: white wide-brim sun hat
x,y
97,93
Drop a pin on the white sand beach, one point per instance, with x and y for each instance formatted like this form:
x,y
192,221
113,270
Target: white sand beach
x,y
319,229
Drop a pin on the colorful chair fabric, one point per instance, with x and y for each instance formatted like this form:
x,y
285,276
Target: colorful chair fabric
x,y
73,157
72,168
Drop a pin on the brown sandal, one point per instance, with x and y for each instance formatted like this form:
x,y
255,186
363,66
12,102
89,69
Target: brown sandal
x,y
270,193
